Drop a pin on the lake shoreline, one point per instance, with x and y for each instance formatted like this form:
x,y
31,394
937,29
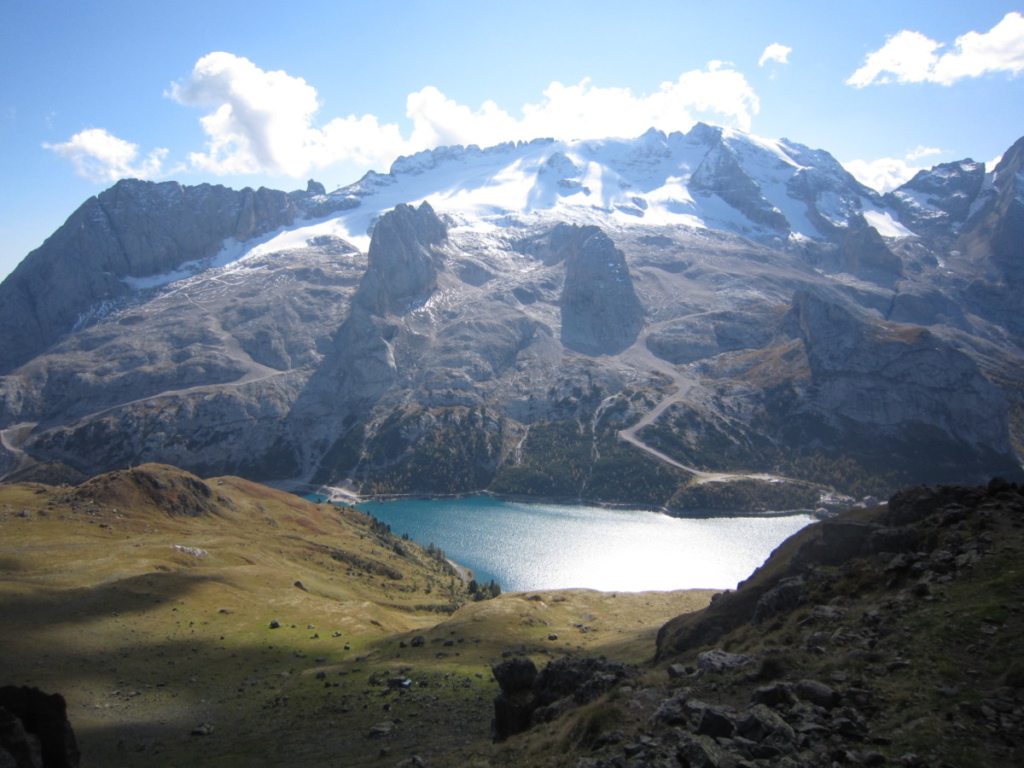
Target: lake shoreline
x,y
690,514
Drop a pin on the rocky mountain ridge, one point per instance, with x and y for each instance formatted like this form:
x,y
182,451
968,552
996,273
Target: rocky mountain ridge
x,y
746,302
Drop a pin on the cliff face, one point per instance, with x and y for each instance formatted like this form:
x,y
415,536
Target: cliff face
x,y
601,314
135,229
889,377
938,201
360,364
721,173
403,265
864,253
996,232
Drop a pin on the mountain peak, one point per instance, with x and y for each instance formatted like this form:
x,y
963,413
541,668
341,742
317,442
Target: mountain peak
x,y
704,133
709,178
403,263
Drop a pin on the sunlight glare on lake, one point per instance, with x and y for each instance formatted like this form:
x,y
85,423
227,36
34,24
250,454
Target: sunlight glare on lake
x,y
554,546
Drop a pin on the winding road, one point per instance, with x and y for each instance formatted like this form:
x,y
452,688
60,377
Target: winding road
x,y
640,357
13,438
231,349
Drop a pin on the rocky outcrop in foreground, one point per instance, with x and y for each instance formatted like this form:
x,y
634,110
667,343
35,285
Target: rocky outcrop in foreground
x,y
528,697
34,730
882,637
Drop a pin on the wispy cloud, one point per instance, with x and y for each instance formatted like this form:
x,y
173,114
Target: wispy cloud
x,y
775,52
921,151
911,57
100,156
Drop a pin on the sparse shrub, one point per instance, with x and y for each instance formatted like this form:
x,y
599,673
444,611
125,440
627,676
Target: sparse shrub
x,y
1015,676
486,591
772,667
593,721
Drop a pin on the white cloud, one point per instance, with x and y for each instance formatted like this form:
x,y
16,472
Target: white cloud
x,y
911,57
260,120
264,121
882,175
438,121
775,52
102,157
586,111
887,173
921,151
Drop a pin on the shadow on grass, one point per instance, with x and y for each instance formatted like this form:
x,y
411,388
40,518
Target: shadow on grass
x,y
142,665
135,594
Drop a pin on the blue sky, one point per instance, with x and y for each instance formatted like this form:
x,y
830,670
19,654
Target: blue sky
x,y
272,94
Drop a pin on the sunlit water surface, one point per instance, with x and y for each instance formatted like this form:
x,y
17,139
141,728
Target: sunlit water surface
x,y
554,546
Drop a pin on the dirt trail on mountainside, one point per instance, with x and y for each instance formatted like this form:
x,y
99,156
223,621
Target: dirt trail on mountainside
x,y
640,357
12,439
231,349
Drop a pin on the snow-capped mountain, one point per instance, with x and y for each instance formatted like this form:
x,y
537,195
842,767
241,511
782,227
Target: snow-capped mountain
x,y
499,318
710,178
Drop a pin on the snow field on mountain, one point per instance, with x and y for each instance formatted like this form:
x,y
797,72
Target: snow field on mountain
x,y
612,183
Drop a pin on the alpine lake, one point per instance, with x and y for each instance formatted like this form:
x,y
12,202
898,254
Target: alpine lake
x,y
530,546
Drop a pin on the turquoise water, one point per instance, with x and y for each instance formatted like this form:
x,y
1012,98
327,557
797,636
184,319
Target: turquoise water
x,y
554,546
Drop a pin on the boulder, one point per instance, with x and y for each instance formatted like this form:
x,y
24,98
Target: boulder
x,y
43,720
528,697
719,661
761,724
584,679
18,748
782,598
515,704
699,751
776,695
817,693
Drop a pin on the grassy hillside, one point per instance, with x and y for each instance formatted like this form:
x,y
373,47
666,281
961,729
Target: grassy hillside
x,y
146,597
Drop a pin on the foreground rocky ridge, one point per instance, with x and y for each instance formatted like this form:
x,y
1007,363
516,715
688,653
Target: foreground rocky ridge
x,y
589,346
880,637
